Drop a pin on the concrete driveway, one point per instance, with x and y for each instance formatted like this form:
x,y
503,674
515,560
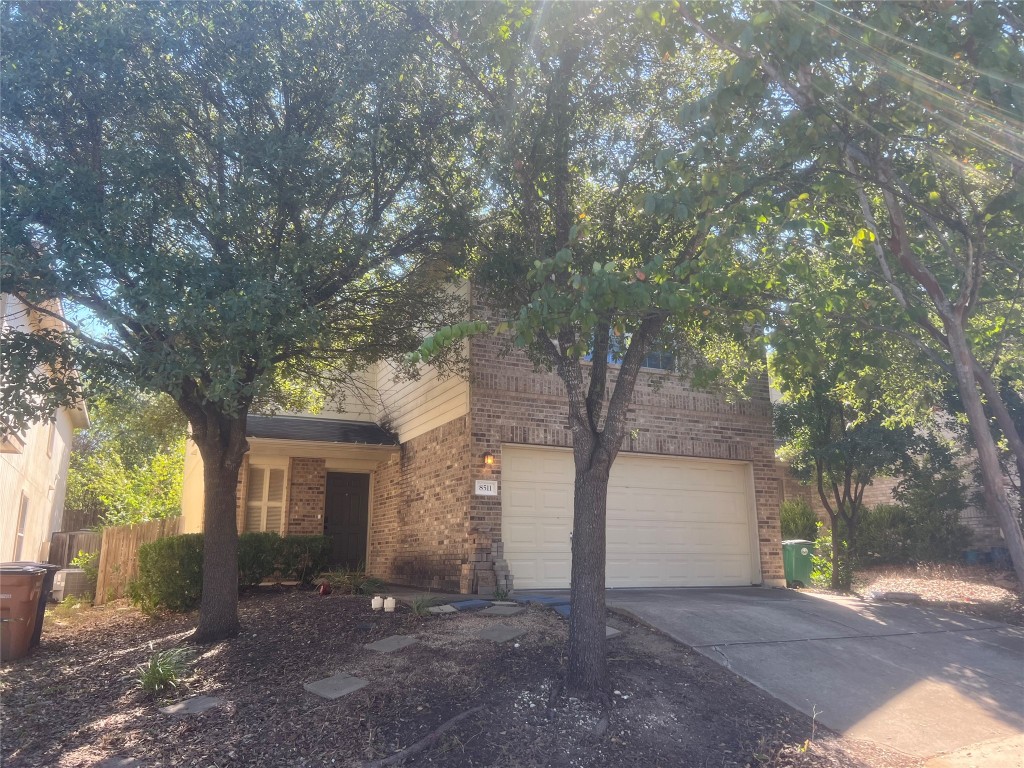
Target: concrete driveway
x,y
923,681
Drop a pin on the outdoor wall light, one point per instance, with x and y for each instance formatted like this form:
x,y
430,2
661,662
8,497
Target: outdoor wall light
x,y
488,458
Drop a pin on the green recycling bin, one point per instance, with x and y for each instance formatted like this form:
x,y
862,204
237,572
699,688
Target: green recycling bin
x,y
796,559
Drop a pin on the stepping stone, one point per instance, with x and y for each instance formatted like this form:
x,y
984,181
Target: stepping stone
x,y
336,686
544,599
562,610
389,644
610,632
193,706
469,605
500,633
118,762
442,609
502,610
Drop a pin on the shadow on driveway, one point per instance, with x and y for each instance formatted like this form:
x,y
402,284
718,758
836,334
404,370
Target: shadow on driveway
x,y
923,681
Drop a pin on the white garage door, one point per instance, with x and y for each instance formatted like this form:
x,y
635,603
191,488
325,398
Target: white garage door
x,y
671,522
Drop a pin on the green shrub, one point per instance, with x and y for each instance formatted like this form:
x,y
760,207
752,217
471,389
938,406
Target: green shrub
x,y
163,670
303,557
171,569
88,562
258,555
883,535
170,574
821,561
798,520
933,497
901,533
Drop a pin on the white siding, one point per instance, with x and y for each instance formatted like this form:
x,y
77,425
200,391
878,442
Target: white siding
x,y
360,403
413,408
39,471
42,479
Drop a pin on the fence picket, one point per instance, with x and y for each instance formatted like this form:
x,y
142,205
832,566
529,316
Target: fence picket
x,y
119,555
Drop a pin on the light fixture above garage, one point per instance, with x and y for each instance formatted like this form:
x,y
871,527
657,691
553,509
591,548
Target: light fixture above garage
x,y
488,458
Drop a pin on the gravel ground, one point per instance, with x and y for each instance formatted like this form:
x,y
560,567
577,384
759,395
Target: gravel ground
x,y
75,702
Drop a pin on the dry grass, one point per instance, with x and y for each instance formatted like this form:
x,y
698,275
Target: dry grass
x,y
974,589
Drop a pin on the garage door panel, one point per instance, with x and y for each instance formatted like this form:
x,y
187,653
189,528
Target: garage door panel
x,y
643,537
641,473
539,533
671,521
542,570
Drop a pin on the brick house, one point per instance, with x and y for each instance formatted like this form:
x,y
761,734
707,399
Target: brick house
x,y
465,483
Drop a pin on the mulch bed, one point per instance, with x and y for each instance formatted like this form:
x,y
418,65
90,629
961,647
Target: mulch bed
x,y
74,702
978,590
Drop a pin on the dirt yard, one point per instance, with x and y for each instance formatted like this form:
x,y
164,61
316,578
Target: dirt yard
x,y
75,701
975,589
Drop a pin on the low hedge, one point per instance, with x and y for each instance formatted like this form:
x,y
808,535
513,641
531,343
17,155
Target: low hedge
x,y
258,555
170,574
798,520
171,569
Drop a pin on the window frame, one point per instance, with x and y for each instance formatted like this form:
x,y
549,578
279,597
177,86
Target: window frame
x,y
19,533
263,503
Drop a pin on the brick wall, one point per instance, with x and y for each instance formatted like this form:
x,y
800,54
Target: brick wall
x,y
513,403
307,489
880,492
419,517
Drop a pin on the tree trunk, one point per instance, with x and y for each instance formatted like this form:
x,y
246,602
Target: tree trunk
x,y
996,498
837,560
833,519
222,449
850,552
588,666
1006,424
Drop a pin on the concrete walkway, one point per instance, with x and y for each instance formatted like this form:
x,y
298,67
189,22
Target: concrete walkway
x,y
923,681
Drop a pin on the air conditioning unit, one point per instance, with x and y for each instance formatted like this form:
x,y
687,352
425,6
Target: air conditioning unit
x,y
70,582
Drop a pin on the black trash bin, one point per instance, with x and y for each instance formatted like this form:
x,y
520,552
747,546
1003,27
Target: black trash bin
x,y
44,596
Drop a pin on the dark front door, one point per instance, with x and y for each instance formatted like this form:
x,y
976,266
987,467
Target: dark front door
x,y
347,517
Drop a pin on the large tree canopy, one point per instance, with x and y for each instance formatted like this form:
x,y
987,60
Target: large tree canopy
x,y
238,202
914,127
620,178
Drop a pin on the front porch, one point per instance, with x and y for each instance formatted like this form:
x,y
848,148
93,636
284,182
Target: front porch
x,y
303,476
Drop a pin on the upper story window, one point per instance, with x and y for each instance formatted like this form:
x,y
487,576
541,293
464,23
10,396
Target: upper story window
x,y
660,357
264,500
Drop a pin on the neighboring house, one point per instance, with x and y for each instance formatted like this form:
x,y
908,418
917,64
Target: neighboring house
x,y
985,531
471,484
34,463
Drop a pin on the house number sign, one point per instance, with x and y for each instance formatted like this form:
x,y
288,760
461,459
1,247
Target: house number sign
x,y
486,488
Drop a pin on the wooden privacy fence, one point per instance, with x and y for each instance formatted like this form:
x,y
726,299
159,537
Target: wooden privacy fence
x,y
80,519
64,546
119,555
